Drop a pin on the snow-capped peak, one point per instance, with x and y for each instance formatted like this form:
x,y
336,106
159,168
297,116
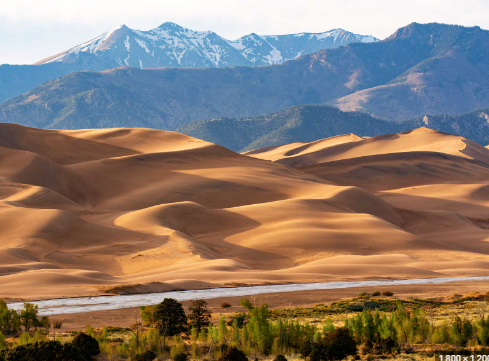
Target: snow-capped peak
x,y
173,45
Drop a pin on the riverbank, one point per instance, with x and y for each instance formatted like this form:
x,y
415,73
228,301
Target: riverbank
x,y
125,317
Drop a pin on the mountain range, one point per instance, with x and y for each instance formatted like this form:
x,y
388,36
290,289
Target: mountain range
x,y
169,45
307,123
422,69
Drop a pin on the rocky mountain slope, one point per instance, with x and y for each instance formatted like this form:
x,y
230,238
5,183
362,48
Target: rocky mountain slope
x,y
169,45
170,98
306,123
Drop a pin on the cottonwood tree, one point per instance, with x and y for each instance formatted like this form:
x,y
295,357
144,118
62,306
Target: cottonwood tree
x,y
28,316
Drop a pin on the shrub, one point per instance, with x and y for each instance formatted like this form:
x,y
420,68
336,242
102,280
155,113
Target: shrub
x,y
335,345
363,294
43,351
356,308
225,305
145,356
237,320
371,304
280,358
181,357
87,344
233,354
386,346
375,293
388,293
339,344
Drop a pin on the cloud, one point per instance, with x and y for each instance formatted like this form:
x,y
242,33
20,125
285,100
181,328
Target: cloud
x,y
34,29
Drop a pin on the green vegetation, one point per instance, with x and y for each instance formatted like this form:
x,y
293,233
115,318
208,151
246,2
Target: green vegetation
x,y
360,328
11,323
48,351
200,316
170,317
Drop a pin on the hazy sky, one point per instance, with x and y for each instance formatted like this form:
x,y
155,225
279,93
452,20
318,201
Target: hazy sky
x,y
31,30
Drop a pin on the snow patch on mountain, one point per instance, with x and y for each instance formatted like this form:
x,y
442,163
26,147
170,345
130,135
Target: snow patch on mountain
x,y
142,44
172,45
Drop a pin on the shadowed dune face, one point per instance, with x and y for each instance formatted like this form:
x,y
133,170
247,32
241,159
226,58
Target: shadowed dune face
x,y
89,210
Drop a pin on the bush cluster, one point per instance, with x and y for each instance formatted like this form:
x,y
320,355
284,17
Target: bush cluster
x,y
49,351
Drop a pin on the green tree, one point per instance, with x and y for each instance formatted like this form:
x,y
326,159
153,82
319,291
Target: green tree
x,y
200,316
233,354
335,345
87,344
44,351
9,319
170,317
3,344
338,344
181,357
145,356
280,358
28,316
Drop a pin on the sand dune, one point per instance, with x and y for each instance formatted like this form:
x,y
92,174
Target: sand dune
x,y
417,140
139,210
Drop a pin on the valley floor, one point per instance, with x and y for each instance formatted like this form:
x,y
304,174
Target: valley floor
x,y
125,317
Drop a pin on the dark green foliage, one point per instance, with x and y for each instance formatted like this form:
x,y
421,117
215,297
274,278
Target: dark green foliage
x,y
335,345
385,346
200,316
233,354
338,344
371,305
181,357
43,351
461,331
375,293
87,344
280,358
388,293
237,320
306,349
356,308
170,317
301,123
145,356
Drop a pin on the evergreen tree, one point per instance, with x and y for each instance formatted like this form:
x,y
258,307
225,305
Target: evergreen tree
x,y
170,317
200,316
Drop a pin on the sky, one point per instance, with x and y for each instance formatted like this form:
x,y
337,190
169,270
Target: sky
x,y
31,30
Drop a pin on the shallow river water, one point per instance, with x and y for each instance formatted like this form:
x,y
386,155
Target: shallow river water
x,y
101,303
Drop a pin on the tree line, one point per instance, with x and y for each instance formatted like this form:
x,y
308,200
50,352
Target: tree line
x,y
166,329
